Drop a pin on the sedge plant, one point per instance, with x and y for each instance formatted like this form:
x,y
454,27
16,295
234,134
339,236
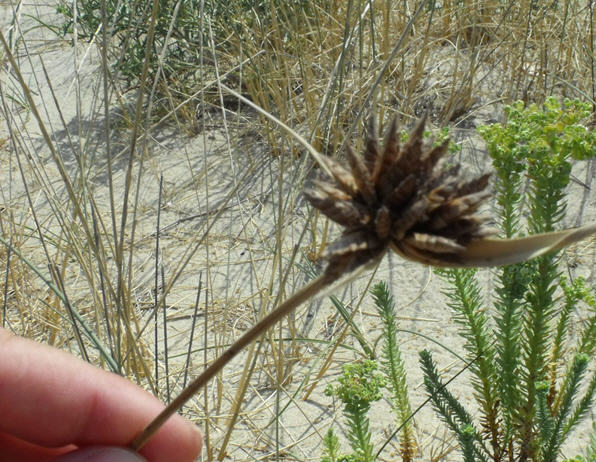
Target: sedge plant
x,y
391,198
396,197
531,378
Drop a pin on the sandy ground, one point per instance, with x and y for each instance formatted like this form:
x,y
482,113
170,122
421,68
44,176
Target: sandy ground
x,y
214,162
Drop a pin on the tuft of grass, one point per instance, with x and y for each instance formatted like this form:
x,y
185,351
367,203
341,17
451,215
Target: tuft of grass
x,y
315,63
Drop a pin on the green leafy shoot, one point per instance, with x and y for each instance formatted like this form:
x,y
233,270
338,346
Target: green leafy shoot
x,y
528,402
359,386
394,369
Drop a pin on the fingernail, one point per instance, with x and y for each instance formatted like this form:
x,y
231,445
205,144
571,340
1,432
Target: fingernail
x,y
101,454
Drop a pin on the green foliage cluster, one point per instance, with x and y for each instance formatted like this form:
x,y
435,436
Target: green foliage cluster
x,y
528,374
537,143
359,386
178,29
394,369
181,27
531,378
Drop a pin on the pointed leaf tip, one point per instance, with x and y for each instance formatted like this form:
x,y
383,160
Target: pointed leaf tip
x,y
499,252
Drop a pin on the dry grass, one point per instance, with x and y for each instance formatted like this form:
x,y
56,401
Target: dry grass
x,y
121,235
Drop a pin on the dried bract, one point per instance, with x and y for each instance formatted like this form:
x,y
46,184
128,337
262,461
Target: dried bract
x,y
397,196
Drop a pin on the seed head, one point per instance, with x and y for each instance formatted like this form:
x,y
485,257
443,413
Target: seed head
x,y
399,197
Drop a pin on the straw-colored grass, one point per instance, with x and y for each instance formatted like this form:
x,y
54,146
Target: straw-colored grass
x,y
136,210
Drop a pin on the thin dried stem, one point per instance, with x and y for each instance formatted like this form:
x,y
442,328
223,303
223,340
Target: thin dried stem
x,y
331,275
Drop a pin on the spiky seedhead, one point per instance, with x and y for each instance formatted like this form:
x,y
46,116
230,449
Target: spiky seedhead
x,y
399,197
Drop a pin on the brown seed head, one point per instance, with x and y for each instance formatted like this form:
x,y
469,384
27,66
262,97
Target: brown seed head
x,y
397,196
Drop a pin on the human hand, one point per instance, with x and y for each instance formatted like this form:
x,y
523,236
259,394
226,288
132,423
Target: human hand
x,y
52,404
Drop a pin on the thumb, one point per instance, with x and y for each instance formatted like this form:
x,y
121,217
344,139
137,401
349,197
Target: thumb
x,y
101,454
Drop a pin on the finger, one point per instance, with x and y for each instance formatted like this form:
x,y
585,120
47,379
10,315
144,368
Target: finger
x,y
52,399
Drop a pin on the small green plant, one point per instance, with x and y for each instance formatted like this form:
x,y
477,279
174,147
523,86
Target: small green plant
x,y
529,376
359,386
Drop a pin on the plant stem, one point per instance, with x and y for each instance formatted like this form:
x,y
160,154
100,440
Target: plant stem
x,y
308,291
